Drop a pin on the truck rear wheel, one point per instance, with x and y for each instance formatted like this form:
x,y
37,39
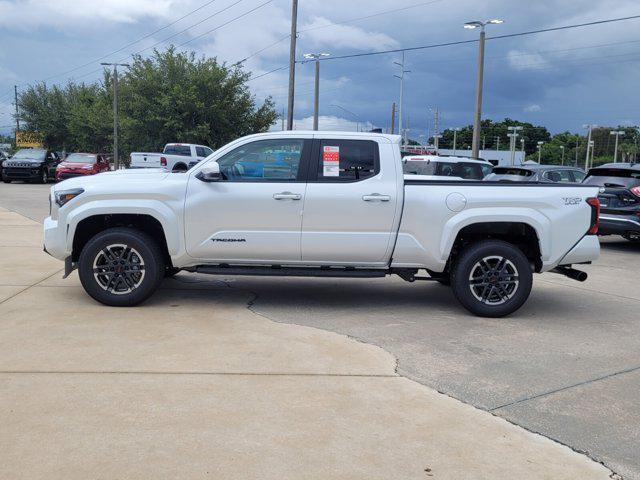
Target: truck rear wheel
x,y
121,267
492,278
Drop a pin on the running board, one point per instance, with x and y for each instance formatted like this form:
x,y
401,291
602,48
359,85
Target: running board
x,y
331,272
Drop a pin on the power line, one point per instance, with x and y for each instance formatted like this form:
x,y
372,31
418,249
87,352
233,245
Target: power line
x,y
351,20
285,67
260,51
227,23
463,42
188,28
131,43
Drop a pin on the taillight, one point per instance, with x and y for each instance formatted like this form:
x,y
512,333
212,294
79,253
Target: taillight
x,y
636,191
163,161
595,215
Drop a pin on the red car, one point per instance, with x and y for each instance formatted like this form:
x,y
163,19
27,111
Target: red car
x,y
77,164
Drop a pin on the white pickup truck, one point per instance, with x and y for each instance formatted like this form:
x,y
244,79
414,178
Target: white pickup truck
x,y
175,157
323,205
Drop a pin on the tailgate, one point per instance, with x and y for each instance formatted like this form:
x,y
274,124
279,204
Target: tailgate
x,y
617,200
146,160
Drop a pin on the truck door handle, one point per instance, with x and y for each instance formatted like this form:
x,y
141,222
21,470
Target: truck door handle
x,y
287,196
376,197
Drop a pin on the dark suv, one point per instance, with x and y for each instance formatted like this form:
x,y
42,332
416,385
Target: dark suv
x,y
619,198
35,164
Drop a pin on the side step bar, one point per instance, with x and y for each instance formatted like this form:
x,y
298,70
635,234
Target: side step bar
x,y
332,272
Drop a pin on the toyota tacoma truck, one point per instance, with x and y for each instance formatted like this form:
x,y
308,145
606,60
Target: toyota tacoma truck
x,y
175,157
318,205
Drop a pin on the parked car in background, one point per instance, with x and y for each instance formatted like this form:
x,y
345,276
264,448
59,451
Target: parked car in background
x,y
619,198
176,157
78,164
455,168
31,164
3,157
537,173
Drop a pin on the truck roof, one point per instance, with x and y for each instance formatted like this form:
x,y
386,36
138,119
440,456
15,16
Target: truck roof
x,y
330,134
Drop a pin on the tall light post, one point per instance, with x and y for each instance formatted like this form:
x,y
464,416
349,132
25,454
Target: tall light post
x,y
455,140
316,100
592,145
562,148
540,152
116,159
401,105
513,135
292,63
618,134
478,114
590,127
522,145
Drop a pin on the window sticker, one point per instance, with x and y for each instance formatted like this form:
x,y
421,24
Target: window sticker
x,y
331,161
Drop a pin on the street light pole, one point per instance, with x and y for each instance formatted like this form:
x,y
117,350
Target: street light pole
x,y
513,135
562,148
116,158
401,105
540,152
618,134
455,140
590,127
480,81
316,100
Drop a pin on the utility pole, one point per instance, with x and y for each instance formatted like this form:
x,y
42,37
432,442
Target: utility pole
x,y
522,146
484,142
477,119
618,134
292,62
562,148
401,77
15,91
436,126
316,100
393,118
116,159
497,143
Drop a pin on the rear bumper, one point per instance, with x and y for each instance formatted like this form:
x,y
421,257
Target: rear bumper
x,y
618,224
587,250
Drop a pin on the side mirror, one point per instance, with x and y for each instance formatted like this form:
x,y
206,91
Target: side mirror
x,y
211,173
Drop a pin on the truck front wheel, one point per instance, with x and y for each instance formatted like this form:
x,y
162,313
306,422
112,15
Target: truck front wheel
x,y
121,267
492,278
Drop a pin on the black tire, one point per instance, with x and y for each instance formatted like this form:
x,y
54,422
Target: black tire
x,y
492,278
6,180
170,272
136,258
44,177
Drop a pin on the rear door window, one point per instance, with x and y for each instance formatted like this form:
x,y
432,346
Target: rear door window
x,y
347,160
558,176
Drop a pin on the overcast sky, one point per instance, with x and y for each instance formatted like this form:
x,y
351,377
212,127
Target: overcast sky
x,y
561,80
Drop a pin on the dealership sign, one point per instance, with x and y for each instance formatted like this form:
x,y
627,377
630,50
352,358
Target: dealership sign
x,y
28,140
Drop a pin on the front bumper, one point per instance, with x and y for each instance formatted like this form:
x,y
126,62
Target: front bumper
x,y
65,175
55,240
13,173
611,224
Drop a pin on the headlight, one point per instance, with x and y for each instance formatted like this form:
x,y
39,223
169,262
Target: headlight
x,y
64,196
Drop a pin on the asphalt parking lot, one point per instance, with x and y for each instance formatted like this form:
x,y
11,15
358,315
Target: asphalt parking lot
x,y
567,365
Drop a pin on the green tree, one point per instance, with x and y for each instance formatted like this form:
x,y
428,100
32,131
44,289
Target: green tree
x,y
169,97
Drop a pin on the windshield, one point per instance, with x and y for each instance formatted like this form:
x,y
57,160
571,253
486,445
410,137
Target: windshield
x,y
182,150
81,158
30,154
605,177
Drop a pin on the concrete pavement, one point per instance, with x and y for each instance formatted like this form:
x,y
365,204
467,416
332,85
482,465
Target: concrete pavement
x,y
194,384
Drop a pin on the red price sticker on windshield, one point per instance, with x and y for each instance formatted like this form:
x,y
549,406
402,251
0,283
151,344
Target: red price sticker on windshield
x,y
331,161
